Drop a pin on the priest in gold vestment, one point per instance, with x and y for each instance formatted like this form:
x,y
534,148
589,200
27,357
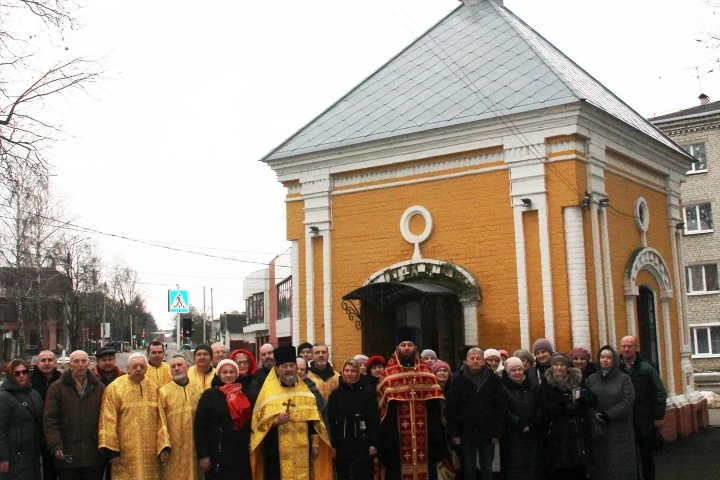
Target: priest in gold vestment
x,y
179,400
158,371
131,431
289,440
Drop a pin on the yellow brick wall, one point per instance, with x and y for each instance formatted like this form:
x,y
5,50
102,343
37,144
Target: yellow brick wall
x,y
533,268
294,217
625,238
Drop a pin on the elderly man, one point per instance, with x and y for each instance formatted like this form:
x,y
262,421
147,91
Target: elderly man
x,y
649,403
158,370
105,369
267,360
42,376
321,371
131,432
219,353
410,402
476,413
179,400
289,439
201,374
72,410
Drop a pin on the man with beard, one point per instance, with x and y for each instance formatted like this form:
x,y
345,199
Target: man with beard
x,y
201,374
410,401
321,371
105,369
289,439
42,376
131,431
178,401
158,370
267,360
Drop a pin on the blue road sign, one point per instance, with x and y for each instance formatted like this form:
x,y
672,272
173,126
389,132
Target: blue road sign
x,y
178,301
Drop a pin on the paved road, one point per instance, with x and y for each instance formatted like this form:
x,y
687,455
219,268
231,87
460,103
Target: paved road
x,y
696,457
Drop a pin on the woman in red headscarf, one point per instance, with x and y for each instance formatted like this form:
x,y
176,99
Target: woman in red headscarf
x,y
248,366
222,426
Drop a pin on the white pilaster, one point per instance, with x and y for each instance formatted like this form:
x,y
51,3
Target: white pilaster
x,y
522,284
309,289
327,290
610,297
669,356
295,272
599,289
577,276
548,305
471,322
630,314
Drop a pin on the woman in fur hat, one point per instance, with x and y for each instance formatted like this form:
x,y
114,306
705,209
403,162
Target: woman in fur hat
x,y
565,401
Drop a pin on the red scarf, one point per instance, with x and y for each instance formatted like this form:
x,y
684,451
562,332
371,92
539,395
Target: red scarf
x,y
237,403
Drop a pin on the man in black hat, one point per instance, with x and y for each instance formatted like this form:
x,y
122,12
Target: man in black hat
x,y
289,437
105,369
202,372
412,433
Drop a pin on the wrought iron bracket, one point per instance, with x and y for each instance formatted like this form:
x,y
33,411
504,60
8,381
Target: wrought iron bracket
x,y
353,312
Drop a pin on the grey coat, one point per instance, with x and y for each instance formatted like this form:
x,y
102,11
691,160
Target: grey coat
x,y
21,437
614,450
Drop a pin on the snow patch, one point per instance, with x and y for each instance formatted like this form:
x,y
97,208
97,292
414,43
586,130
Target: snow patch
x,y
713,399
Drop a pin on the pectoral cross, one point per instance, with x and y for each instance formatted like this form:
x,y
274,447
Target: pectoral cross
x,y
288,404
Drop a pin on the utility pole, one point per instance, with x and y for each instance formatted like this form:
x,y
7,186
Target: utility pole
x,y
212,315
104,331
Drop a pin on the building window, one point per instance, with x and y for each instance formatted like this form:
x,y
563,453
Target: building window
x,y
255,309
697,151
705,341
702,278
698,218
284,298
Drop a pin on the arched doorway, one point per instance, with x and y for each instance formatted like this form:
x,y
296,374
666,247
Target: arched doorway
x,y
434,310
647,324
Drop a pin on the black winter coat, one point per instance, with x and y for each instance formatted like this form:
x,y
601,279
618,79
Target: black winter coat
x,y
476,415
228,449
41,384
650,396
566,422
518,450
21,435
355,426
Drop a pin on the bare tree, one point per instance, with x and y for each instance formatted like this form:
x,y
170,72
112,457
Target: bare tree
x,y
36,72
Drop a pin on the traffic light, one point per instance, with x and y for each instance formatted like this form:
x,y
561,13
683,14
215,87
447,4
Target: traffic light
x,y
187,330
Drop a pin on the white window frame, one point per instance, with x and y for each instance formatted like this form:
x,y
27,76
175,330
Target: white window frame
x,y
694,332
696,206
688,278
689,149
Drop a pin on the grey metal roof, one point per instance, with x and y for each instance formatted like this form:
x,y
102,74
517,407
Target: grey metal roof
x,y
479,62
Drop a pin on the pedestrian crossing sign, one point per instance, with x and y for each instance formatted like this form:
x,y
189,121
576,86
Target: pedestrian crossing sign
x,y
178,301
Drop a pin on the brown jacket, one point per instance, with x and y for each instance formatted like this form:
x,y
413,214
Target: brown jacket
x,y
71,422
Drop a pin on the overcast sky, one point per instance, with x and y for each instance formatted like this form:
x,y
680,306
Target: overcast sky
x,y
168,149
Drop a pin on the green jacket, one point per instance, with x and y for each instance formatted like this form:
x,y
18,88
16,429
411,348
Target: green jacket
x,y
650,396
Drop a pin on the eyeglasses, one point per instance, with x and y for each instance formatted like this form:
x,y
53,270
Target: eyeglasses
x,y
243,362
19,373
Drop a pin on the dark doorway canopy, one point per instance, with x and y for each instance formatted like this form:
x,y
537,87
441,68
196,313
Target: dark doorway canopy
x,y
388,295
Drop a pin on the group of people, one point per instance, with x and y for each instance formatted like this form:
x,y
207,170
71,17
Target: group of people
x,y
293,416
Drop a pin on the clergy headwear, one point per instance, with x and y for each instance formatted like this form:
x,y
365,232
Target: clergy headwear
x,y
284,355
204,346
405,334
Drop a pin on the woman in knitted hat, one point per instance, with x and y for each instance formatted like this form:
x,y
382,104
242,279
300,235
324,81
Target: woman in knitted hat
x,y
494,361
354,424
442,372
542,349
362,361
581,360
520,443
527,359
429,357
375,366
565,401
222,426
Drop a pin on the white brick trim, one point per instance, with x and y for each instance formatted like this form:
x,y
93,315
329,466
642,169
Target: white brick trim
x,y
577,276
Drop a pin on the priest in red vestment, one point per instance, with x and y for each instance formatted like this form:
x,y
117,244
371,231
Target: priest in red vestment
x,y
410,401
